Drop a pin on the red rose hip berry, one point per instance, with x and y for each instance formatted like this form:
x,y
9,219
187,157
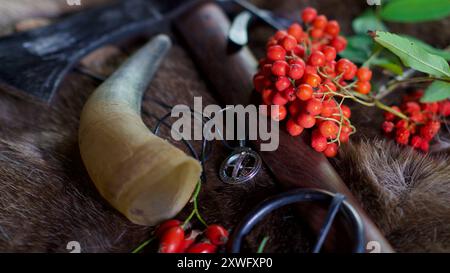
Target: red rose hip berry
x,y
217,235
171,240
202,248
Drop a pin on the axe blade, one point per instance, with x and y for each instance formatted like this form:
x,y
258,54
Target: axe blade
x,y
34,63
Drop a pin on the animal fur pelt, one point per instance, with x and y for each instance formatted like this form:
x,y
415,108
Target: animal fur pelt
x,y
406,193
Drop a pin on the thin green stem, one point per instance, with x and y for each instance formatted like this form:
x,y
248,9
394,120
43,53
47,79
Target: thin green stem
x,y
142,245
195,210
386,108
372,57
263,245
394,84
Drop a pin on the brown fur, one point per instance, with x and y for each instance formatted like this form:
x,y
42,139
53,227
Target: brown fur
x,y
406,193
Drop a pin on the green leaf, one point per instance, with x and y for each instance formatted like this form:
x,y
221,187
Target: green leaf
x,y
437,91
358,48
440,52
362,42
408,11
413,55
367,21
388,65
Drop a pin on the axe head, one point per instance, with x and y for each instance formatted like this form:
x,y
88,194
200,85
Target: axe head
x,y
34,63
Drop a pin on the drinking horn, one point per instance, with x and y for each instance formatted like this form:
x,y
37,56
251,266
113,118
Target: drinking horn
x,y
140,174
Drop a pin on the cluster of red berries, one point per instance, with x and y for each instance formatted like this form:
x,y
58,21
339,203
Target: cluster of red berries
x,y
173,238
300,74
423,121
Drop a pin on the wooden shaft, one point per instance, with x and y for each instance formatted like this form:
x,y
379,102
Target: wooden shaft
x,y
295,163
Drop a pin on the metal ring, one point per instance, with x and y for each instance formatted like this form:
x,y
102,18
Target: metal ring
x,y
291,197
241,166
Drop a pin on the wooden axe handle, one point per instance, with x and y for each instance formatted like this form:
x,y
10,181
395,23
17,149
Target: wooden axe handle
x,y
295,163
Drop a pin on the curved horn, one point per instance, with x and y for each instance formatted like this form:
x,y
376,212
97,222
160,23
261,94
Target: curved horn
x,y
141,175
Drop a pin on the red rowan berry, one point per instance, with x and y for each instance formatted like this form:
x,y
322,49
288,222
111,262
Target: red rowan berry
x,y
340,43
430,107
402,124
318,141
363,87
332,28
267,70
402,136
289,42
425,146
308,14
309,69
276,53
314,107
298,61
267,95
346,129
299,50
416,142
289,94
387,127
296,71
411,107
282,83
304,92
346,111
296,31
316,33
312,79
329,129
293,128
345,67
306,120
259,82
320,22
389,116
280,34
278,115
444,108
328,108
317,58
330,53
344,137
280,68
279,99
294,108
331,150
364,74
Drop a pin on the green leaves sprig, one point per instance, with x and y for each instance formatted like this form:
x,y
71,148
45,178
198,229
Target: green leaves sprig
x,y
413,55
